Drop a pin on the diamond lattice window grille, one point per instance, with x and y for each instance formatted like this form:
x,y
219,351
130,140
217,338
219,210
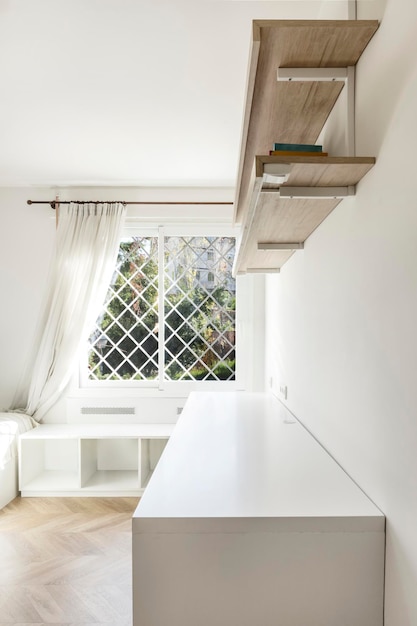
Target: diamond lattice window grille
x,y
124,343
198,317
199,303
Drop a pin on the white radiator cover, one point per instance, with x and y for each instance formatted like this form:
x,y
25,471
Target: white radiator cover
x,y
128,410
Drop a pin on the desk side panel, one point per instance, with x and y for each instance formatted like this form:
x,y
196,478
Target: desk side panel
x,y
290,579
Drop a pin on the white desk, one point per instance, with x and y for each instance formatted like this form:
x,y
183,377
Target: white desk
x,y
247,520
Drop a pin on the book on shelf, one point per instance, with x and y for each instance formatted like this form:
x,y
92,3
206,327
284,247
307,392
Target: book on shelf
x,y
297,153
299,147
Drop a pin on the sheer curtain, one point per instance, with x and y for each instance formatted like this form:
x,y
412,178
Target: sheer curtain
x,y
88,237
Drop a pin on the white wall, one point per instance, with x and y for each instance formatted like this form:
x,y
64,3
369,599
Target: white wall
x,y
27,237
341,316
27,232
156,100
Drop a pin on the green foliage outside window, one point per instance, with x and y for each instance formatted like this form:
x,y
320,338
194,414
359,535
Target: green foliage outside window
x,y
198,321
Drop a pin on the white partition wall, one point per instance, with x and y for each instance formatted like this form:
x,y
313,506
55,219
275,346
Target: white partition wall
x,y
247,520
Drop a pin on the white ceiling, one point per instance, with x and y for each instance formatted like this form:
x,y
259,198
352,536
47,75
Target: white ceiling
x,y
126,92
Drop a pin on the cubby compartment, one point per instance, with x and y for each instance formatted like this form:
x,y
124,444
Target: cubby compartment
x,y
50,465
151,450
90,459
110,464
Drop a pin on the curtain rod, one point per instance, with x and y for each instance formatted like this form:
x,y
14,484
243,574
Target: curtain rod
x,y
53,203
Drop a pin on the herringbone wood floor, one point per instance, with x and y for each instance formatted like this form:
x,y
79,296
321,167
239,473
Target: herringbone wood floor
x,y
66,561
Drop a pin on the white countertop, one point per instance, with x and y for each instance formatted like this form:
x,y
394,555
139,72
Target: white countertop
x,y
243,455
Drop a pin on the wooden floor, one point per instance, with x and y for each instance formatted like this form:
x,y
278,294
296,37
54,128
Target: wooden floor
x,y
66,561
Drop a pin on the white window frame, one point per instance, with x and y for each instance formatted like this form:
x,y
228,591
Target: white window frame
x,y
243,324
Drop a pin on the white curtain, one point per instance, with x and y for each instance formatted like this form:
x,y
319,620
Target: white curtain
x,y
88,237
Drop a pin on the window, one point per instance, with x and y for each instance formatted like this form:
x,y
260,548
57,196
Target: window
x,y
169,313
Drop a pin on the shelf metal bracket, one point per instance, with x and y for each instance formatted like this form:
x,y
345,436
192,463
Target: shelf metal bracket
x,y
280,246
320,74
308,74
314,193
352,10
262,270
317,192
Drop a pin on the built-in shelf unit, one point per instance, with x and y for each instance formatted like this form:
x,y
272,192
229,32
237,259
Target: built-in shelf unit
x,y
90,459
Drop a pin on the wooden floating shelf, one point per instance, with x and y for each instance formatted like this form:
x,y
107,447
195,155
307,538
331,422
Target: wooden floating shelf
x,y
272,219
292,112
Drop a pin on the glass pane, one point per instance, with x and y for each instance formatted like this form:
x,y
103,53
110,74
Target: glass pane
x,y
199,312
199,307
124,342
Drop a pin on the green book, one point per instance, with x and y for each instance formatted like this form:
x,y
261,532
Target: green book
x,y
298,147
